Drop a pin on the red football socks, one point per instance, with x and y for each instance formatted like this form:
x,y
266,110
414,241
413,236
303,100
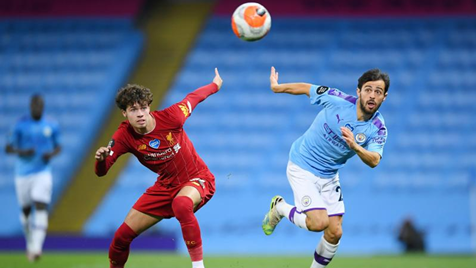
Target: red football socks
x,y
183,209
119,248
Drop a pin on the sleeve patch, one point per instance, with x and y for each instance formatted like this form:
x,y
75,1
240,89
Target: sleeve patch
x,y
321,89
111,143
185,109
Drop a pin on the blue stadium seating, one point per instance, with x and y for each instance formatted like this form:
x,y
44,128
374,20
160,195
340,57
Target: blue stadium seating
x,y
244,132
77,64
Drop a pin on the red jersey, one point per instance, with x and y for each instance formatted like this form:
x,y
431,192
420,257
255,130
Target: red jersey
x,y
166,150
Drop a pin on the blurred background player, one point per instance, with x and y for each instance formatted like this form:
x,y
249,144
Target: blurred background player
x,y
159,142
35,140
346,126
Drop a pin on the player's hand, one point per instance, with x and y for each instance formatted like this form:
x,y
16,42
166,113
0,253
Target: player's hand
x,y
46,157
273,79
348,137
27,152
102,153
217,79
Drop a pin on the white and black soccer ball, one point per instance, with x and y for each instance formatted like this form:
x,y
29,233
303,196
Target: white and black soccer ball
x,y
251,21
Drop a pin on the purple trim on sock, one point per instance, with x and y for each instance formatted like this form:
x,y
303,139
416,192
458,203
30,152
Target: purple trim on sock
x,y
291,214
314,209
338,214
321,260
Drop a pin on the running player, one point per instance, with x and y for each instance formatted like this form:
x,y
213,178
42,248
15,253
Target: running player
x,y
159,142
35,140
346,126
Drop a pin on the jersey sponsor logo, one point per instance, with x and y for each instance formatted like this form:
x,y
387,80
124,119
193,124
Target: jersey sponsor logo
x,y
321,89
333,138
162,155
141,147
360,137
185,109
111,143
306,201
154,143
170,138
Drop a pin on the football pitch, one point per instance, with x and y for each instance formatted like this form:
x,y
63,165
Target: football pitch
x,y
160,260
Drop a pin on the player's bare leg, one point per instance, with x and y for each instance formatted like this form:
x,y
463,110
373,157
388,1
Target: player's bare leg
x,y
317,220
184,205
135,223
327,247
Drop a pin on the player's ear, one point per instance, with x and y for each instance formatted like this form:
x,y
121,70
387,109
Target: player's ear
x,y
124,113
358,92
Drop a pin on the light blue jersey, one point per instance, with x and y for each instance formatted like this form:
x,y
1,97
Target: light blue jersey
x,y
41,135
322,150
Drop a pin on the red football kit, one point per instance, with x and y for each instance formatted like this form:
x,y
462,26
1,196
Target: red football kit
x,y
167,151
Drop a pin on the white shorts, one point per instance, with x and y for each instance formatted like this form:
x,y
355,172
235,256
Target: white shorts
x,y
35,187
315,193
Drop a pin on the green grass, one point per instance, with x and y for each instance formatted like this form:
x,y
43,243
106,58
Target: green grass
x,y
152,260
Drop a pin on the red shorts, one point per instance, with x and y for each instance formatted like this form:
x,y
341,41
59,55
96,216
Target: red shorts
x,y
157,200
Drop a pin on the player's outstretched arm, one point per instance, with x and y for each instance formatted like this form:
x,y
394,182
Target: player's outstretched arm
x,y
200,94
217,79
290,88
371,159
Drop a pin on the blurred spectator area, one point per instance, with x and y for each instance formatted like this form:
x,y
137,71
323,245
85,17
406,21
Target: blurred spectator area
x,y
77,59
62,8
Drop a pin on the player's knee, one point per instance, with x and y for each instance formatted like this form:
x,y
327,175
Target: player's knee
x,y
317,224
123,237
333,236
182,207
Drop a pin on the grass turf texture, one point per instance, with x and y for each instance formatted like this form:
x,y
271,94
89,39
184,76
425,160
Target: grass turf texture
x,y
152,260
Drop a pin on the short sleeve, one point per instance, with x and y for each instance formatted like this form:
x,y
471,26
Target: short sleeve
x,y
325,96
377,142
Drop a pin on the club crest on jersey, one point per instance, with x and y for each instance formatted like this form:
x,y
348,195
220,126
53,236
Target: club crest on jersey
x,y
154,143
170,138
360,137
306,201
47,131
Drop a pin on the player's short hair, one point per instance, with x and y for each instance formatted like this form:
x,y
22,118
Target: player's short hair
x,y
132,94
374,75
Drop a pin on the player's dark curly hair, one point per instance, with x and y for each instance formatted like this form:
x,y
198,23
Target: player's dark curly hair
x,y
132,94
374,75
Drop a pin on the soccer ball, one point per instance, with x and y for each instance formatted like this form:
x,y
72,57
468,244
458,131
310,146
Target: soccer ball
x,y
251,21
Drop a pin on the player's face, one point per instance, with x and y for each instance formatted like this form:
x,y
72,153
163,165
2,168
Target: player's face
x,y
36,108
138,115
371,96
